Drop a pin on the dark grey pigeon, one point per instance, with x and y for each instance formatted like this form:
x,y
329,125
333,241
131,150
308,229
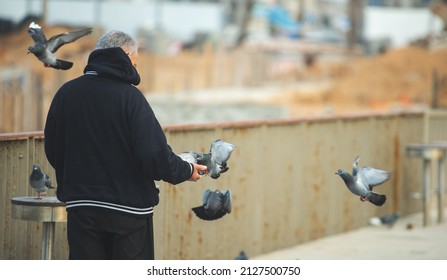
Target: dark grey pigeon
x,y
44,49
215,160
40,181
387,220
363,179
242,256
215,205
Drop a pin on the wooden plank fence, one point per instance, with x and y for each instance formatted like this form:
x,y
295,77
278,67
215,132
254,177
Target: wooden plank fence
x,y
281,176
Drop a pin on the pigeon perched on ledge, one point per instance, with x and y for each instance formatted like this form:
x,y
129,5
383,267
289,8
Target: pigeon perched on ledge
x,y
44,49
216,204
216,159
40,181
363,179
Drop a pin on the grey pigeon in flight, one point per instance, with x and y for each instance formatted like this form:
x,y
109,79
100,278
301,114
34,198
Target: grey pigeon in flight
x,y
215,160
44,49
40,181
363,179
215,204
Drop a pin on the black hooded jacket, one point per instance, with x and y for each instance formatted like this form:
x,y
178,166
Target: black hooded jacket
x,y
104,141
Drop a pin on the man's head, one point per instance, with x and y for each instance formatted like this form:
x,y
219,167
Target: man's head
x,y
115,39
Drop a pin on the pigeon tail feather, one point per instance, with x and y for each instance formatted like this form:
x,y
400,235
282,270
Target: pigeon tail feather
x,y
377,199
201,213
62,64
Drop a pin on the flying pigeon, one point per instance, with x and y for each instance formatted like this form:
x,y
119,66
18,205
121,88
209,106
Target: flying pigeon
x,y
215,160
363,179
44,49
387,220
215,205
40,181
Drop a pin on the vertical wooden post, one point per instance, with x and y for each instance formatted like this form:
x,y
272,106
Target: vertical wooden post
x,y
355,12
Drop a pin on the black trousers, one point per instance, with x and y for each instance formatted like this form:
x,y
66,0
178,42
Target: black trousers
x,y
96,234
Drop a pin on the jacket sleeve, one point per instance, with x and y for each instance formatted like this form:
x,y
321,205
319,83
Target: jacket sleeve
x,y
150,148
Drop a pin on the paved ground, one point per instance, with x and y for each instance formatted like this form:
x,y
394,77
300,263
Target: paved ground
x,y
376,243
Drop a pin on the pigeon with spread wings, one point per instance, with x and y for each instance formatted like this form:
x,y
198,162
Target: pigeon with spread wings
x,y
44,49
215,160
215,204
363,179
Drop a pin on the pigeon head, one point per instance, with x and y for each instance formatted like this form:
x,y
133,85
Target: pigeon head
x,y
36,167
36,174
347,178
340,172
36,49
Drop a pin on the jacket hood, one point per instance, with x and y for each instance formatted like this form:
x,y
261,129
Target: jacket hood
x,y
113,63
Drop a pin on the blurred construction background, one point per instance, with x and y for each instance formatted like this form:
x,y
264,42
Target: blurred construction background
x,y
330,78
257,59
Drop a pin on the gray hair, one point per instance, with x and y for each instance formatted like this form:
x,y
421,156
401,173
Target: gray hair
x,y
115,39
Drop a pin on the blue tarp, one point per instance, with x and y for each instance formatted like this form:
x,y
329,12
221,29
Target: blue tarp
x,y
280,19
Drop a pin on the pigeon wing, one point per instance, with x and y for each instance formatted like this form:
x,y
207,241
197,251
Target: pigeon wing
x,y
36,34
374,176
355,166
221,151
190,157
56,41
48,183
200,212
228,202
205,196
214,202
216,216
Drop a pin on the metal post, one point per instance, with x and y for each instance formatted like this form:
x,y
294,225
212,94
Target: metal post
x,y
47,240
441,189
430,153
426,193
48,210
45,11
